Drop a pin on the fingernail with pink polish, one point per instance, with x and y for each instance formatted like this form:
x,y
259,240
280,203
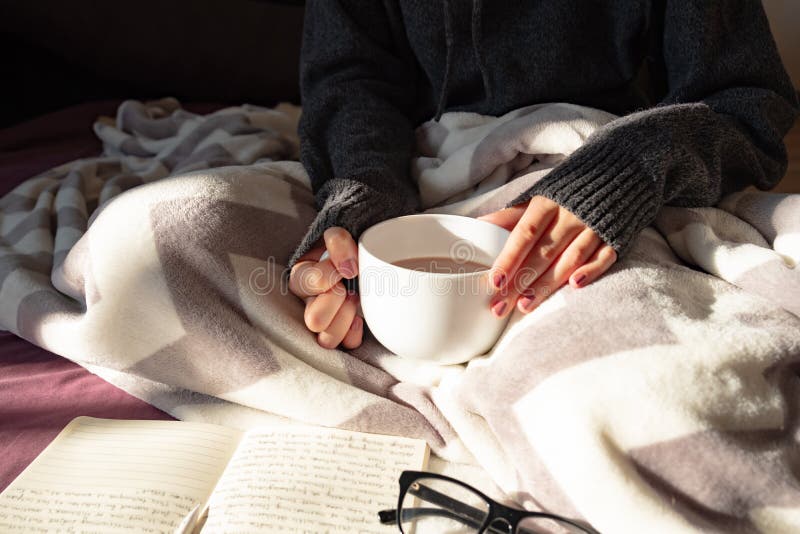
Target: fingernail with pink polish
x,y
579,279
526,303
348,268
529,292
498,280
499,308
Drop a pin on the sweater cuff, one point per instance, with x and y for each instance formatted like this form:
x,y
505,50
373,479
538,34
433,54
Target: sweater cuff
x,y
353,205
607,185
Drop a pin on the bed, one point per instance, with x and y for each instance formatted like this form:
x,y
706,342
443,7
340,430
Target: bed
x,y
40,391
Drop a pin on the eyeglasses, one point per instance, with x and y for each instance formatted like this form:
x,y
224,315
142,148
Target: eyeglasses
x,y
430,502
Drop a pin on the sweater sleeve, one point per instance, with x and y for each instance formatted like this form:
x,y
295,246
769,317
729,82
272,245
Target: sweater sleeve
x,y
356,135
718,129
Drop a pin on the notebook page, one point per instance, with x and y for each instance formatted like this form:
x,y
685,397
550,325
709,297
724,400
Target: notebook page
x,y
102,475
310,479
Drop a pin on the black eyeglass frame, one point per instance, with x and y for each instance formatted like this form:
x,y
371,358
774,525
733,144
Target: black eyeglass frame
x,y
510,516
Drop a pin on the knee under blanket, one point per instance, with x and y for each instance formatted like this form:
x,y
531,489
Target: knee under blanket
x,y
663,397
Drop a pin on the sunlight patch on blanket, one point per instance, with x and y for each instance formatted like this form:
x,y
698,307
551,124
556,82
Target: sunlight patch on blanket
x,y
788,246
128,277
332,401
776,519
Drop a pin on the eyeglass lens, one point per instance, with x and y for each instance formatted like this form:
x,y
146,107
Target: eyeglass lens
x,y
439,506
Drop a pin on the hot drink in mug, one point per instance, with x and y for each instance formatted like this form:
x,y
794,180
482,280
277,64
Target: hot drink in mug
x,y
424,285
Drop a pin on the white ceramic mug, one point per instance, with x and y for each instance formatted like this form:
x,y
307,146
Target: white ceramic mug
x,y
440,317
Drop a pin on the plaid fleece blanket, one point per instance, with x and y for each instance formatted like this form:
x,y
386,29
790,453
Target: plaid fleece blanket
x,y
663,397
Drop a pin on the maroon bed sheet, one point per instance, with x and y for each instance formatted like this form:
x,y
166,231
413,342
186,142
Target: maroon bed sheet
x,y
41,392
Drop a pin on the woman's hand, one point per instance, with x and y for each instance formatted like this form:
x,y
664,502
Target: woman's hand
x,y
548,246
330,308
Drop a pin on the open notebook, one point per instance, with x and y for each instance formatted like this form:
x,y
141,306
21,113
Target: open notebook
x,y
104,475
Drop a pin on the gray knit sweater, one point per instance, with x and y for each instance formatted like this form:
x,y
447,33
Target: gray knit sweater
x,y
703,98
